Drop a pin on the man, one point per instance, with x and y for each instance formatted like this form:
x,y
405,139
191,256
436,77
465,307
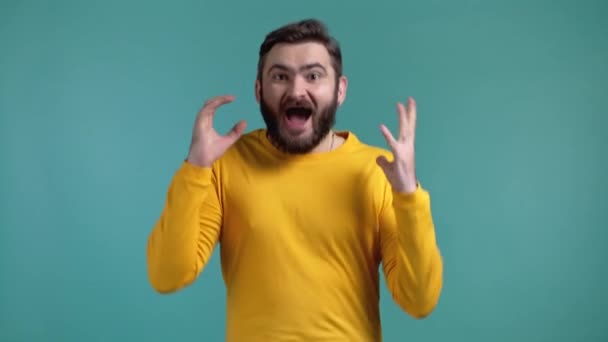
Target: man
x,y
304,215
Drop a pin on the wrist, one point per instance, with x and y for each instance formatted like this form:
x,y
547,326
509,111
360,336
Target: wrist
x,y
408,189
198,162
408,186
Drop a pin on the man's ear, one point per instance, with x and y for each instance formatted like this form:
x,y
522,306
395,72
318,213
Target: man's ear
x,y
258,87
342,86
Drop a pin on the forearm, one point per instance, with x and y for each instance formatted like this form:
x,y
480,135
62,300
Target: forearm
x,y
183,238
414,266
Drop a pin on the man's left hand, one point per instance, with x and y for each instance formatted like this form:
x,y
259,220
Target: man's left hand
x,y
401,172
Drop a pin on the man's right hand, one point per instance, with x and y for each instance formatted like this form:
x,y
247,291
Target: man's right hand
x,y
207,144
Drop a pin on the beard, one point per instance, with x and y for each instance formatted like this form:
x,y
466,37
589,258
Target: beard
x,y
323,120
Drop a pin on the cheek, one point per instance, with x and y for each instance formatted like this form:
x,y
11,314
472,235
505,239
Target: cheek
x,y
324,94
272,94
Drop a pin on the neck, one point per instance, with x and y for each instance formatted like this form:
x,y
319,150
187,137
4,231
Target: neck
x,y
327,144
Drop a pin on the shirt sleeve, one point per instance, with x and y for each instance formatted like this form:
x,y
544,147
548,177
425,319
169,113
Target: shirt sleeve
x,y
411,260
187,231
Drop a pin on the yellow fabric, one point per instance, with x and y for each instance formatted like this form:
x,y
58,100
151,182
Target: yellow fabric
x,y
302,239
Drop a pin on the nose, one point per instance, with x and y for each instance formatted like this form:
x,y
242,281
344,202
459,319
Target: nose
x,y
297,87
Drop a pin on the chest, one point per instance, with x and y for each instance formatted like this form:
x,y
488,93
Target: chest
x,y
317,210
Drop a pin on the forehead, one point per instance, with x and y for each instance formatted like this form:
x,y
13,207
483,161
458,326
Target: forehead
x,y
297,55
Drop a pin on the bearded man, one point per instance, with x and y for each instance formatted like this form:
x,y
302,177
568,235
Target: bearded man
x,y
304,215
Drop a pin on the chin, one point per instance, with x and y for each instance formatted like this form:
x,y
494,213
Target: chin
x,y
297,140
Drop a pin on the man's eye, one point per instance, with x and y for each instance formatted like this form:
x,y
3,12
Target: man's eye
x,y
314,76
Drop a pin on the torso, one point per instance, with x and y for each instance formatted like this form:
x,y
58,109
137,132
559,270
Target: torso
x,y
299,244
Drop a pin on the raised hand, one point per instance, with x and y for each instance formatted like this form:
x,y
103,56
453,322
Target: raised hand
x,y
401,172
207,144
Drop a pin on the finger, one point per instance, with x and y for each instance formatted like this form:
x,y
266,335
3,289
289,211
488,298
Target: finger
x,y
217,101
388,136
383,163
237,130
212,104
412,116
403,120
205,114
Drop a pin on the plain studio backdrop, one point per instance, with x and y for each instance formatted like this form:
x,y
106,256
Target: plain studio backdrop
x,y
97,102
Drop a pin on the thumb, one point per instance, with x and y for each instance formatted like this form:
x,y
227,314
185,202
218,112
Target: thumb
x,y
383,162
237,130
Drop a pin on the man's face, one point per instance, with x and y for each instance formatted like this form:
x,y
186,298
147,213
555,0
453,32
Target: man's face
x,y
299,95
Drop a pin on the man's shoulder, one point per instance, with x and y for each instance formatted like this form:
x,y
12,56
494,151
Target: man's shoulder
x,y
248,145
249,137
359,145
247,140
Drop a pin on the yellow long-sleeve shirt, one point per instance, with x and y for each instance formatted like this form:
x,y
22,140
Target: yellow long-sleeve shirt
x,y
301,238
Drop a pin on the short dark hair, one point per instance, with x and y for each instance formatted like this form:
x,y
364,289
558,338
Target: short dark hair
x,y
307,30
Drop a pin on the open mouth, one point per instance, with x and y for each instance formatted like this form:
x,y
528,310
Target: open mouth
x,y
298,113
297,118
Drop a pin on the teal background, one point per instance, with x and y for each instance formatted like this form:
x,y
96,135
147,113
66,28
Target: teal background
x,y
97,101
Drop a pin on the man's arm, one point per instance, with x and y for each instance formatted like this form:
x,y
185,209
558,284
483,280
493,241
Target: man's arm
x,y
411,260
187,231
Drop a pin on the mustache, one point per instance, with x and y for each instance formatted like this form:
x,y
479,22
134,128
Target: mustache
x,y
297,103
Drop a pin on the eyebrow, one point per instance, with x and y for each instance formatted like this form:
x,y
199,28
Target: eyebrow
x,y
304,67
